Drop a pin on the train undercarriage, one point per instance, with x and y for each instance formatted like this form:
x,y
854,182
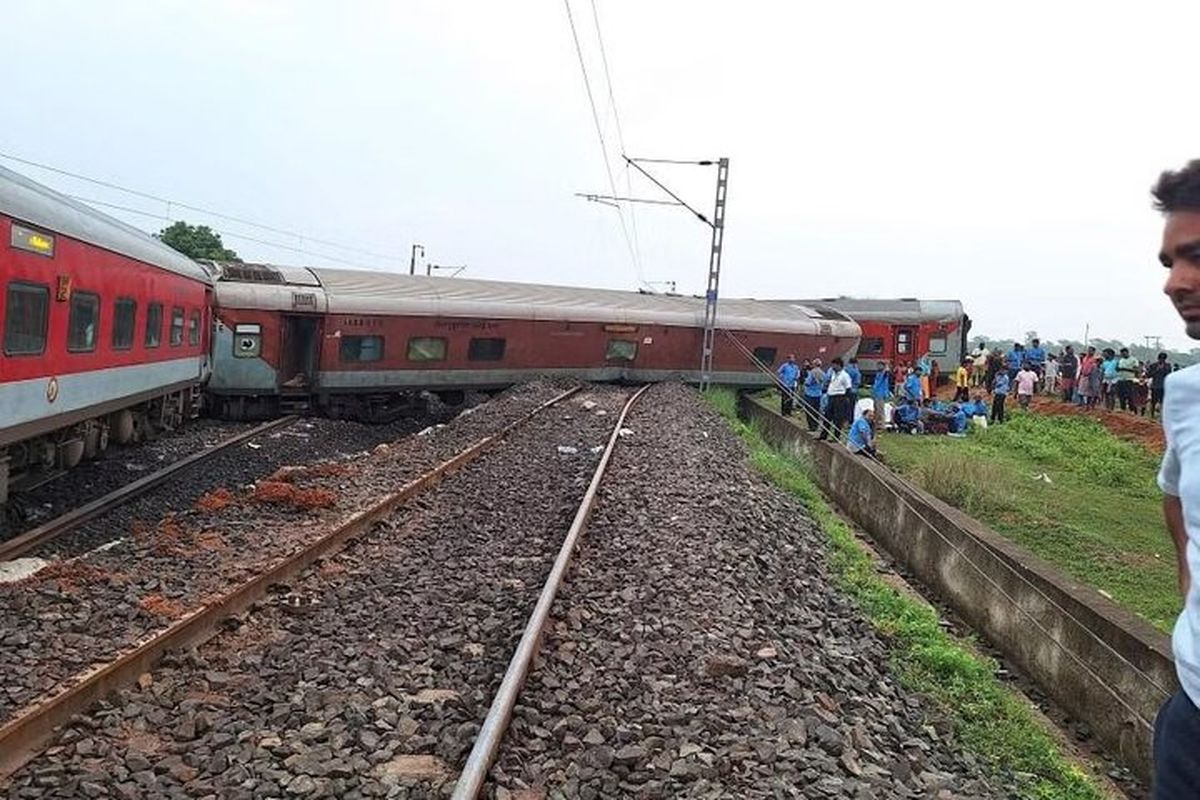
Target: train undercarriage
x,y
37,459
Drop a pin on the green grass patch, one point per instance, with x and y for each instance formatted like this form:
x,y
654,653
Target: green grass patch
x,y
989,720
1098,519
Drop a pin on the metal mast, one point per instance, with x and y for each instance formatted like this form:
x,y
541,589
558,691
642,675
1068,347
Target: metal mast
x,y
714,275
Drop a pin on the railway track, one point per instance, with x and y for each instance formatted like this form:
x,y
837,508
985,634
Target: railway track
x,y
35,538
26,733
696,648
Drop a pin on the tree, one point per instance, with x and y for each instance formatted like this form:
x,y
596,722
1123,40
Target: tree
x,y
196,241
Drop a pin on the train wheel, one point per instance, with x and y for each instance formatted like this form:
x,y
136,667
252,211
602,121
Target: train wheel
x,y
70,453
121,426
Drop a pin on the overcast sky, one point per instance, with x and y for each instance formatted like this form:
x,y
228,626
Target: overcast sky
x,y
1001,157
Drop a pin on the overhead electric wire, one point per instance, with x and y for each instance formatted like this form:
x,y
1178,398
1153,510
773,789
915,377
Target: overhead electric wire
x,y
587,85
93,202
612,99
198,209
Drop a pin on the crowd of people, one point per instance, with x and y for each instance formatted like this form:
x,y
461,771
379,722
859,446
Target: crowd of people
x,y
902,397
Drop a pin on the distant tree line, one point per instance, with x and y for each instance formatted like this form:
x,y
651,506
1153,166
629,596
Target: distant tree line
x,y
1141,352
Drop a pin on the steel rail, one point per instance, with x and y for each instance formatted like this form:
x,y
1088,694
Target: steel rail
x,y
487,743
35,537
24,736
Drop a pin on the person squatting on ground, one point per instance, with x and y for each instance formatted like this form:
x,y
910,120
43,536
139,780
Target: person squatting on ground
x,y
962,381
1177,727
841,401
861,438
789,376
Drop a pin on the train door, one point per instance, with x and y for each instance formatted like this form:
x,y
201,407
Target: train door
x,y
905,345
298,353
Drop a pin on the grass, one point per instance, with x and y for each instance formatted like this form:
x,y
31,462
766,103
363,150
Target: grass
x,y
1099,519
989,720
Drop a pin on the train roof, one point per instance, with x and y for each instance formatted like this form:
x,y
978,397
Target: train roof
x,y
905,309
42,207
345,291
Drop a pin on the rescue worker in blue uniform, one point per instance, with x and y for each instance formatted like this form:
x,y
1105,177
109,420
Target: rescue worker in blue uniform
x,y
789,376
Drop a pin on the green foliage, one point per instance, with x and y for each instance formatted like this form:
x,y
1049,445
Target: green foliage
x,y
964,480
989,720
1080,444
1099,519
196,241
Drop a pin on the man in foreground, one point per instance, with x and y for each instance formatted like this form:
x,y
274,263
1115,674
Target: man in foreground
x,y
861,440
1177,728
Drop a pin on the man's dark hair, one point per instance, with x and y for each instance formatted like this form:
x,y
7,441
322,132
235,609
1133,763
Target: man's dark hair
x,y
837,360
1178,190
1162,356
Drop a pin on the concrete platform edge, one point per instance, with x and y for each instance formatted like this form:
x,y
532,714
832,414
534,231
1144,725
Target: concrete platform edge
x,y
1114,680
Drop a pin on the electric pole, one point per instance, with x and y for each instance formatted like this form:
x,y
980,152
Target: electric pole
x,y
714,275
717,223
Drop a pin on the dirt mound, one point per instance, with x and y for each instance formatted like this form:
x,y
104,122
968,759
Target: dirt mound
x,y
1143,430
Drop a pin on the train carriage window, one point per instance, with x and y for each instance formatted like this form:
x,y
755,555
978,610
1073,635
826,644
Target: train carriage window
x,y
426,348
904,342
247,340
194,329
621,350
83,322
937,345
124,322
486,349
872,346
154,317
362,348
176,326
26,314
766,355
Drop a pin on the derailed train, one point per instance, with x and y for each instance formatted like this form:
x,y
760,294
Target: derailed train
x,y
110,335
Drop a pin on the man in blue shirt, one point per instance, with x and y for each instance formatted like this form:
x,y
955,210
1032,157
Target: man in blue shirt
x,y
855,375
1177,727
861,439
1000,387
1013,359
912,387
881,391
789,375
1036,356
907,417
814,387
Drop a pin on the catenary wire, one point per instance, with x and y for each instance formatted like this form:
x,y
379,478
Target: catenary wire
x,y
165,218
587,85
169,203
612,99
983,573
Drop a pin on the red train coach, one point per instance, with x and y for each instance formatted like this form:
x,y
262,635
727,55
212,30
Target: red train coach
x,y
363,344
904,330
104,332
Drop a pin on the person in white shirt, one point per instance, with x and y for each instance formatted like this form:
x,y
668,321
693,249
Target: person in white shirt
x,y
841,401
1177,727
